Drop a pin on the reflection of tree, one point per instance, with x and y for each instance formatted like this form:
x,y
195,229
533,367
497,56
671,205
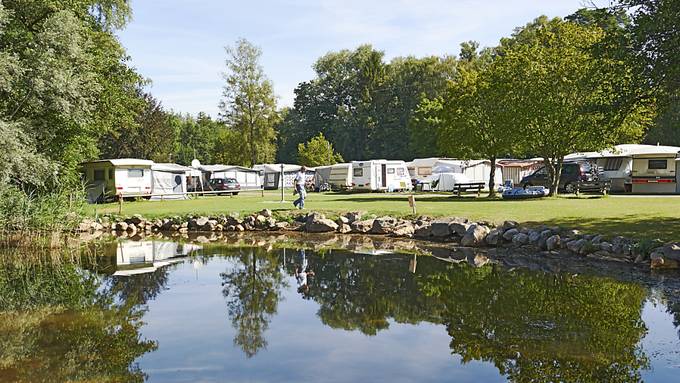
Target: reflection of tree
x,y
537,327
140,288
253,288
362,292
58,324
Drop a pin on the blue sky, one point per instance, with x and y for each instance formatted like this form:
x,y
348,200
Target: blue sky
x,y
179,44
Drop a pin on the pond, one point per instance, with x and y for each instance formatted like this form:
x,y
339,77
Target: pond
x,y
162,311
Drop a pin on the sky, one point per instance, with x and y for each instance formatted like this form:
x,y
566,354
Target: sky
x,y
179,44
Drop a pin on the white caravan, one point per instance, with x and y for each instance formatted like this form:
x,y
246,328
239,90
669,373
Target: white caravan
x,y
380,175
246,177
126,177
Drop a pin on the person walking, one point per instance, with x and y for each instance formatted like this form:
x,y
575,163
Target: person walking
x,y
300,179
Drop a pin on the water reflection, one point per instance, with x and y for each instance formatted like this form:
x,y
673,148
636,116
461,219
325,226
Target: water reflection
x,y
253,289
62,322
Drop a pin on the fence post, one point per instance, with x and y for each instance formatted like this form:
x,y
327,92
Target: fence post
x,y
412,203
120,203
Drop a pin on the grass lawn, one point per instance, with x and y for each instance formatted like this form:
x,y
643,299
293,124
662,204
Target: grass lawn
x,y
638,217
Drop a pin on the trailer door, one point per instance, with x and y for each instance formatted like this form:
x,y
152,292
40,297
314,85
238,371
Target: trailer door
x,y
383,172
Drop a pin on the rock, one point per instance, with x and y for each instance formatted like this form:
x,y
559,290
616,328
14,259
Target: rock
x,y
174,227
230,228
317,223
534,236
666,257
480,260
575,246
202,221
131,228
239,228
573,233
362,226
606,246
281,225
553,242
509,234
342,220
596,240
353,216
383,225
121,226
507,225
519,238
404,229
423,231
493,237
545,234
475,236
260,220
440,229
266,213
459,228
344,228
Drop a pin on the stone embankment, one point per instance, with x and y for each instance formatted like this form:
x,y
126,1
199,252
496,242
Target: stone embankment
x,y
459,231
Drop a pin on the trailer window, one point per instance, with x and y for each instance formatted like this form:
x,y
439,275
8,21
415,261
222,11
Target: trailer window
x,y
657,164
613,164
390,170
424,171
358,172
400,172
99,174
135,173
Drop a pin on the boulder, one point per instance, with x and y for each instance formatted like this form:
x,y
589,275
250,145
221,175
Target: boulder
x,y
344,228
266,213
423,231
383,225
507,225
121,226
239,228
666,257
534,236
280,225
342,220
596,240
573,233
509,234
317,223
201,221
353,216
553,242
575,246
480,260
362,226
475,236
404,229
459,228
440,228
493,237
606,246
519,239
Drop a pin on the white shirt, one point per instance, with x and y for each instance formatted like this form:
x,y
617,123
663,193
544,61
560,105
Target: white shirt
x,y
300,179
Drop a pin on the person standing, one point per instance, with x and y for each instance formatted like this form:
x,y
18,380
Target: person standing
x,y
300,179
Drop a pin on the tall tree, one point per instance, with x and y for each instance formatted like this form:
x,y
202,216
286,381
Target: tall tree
x,y
248,103
565,97
473,121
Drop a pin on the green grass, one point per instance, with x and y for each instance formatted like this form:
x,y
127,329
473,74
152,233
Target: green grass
x,y
638,217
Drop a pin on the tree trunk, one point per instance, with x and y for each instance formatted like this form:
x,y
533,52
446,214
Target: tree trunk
x,y
492,178
554,166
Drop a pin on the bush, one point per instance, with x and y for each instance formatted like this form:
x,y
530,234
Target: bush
x,y
56,210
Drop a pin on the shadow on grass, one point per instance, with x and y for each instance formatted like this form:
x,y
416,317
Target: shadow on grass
x,y
664,228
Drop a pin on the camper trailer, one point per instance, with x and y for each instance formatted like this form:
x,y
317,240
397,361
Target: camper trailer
x,y
169,181
471,171
515,170
380,175
270,175
246,177
337,177
645,169
125,177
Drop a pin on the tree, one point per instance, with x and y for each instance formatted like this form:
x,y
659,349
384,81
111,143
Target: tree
x,y
196,138
248,105
472,118
564,96
318,151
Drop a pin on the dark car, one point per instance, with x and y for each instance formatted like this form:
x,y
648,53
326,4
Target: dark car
x,y
226,185
576,176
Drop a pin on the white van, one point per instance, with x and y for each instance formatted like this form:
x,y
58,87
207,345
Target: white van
x,y
380,175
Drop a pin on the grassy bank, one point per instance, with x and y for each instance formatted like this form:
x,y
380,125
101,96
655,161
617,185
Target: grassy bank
x,y
643,217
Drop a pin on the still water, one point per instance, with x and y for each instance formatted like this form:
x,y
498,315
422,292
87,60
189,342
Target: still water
x,y
167,312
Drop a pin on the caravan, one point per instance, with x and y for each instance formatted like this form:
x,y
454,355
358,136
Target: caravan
x,y
271,175
382,175
125,177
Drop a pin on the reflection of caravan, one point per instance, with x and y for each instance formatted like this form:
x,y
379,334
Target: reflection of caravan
x,y
338,176
128,177
384,175
137,257
637,168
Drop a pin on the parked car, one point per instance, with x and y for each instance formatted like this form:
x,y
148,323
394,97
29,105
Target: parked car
x,y
227,185
582,176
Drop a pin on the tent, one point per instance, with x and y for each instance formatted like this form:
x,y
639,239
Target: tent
x,y
271,173
169,181
248,178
